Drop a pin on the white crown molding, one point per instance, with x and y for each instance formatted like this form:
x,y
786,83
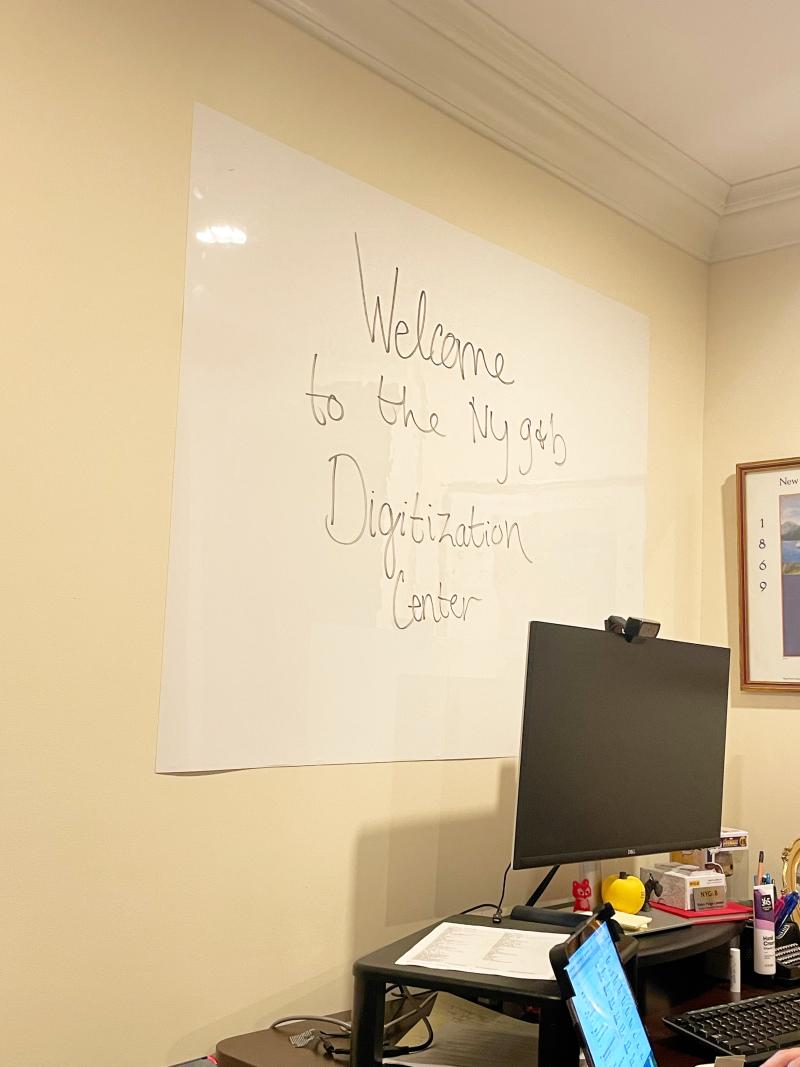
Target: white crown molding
x,y
760,215
490,43
759,226
457,58
769,189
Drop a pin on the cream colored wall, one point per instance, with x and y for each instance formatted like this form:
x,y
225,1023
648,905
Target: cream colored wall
x,y
145,917
751,413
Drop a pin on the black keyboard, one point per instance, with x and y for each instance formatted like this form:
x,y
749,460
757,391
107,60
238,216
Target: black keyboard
x,y
753,1028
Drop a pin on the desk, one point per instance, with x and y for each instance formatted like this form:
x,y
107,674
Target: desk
x,y
670,973
558,1046
682,987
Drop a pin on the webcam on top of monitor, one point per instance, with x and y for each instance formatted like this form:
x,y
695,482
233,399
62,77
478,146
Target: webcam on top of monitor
x,y
632,629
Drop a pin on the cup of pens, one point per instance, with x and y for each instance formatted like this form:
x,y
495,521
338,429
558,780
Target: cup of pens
x,y
784,909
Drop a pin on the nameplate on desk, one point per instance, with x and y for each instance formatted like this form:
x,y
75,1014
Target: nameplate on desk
x,y
710,896
485,950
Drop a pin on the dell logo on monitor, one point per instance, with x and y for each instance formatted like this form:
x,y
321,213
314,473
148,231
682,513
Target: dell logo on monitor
x,y
631,852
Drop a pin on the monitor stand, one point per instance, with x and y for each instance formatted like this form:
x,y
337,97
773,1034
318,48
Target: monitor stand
x,y
545,882
559,917
587,872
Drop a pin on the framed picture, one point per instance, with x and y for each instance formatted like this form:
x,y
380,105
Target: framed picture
x,y
768,503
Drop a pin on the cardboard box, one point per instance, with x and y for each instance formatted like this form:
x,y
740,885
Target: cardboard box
x,y
733,856
686,886
731,840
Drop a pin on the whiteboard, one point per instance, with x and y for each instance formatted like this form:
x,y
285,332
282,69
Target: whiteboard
x,y
396,444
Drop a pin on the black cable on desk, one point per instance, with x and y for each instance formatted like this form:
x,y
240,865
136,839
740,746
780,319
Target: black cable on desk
x,y
498,907
390,1051
393,1050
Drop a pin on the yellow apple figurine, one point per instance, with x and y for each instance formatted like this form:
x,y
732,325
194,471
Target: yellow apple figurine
x,y
624,892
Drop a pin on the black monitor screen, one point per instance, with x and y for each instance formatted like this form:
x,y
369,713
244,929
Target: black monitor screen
x,y
623,746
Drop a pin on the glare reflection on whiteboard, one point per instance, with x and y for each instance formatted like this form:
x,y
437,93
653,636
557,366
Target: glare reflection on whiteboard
x,y
221,235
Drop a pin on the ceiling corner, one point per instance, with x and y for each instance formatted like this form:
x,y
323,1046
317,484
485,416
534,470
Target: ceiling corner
x,y
462,62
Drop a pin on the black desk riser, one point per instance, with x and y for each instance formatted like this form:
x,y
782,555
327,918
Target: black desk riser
x,y
558,1046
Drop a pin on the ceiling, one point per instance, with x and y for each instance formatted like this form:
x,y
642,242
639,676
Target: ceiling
x,y
719,79
679,114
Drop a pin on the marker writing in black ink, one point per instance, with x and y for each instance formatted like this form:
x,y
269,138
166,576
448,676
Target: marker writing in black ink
x,y
391,410
428,607
489,427
334,409
355,512
441,349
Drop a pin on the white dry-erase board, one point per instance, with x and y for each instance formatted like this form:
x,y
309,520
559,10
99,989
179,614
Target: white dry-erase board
x,y
397,444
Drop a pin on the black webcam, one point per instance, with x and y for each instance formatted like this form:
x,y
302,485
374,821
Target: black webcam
x,y
632,629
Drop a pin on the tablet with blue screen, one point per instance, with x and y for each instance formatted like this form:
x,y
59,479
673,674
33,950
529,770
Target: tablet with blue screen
x,y
599,997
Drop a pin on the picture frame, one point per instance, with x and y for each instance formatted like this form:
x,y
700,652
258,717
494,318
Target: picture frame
x,y
768,515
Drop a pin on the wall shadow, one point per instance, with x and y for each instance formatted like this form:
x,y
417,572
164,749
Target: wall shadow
x,y
414,872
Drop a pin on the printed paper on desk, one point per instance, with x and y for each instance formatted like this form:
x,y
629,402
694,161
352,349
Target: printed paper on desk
x,y
485,950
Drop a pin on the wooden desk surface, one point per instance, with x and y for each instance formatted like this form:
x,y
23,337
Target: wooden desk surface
x,y
265,1048
677,988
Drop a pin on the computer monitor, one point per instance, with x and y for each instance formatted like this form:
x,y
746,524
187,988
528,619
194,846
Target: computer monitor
x,y
622,747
